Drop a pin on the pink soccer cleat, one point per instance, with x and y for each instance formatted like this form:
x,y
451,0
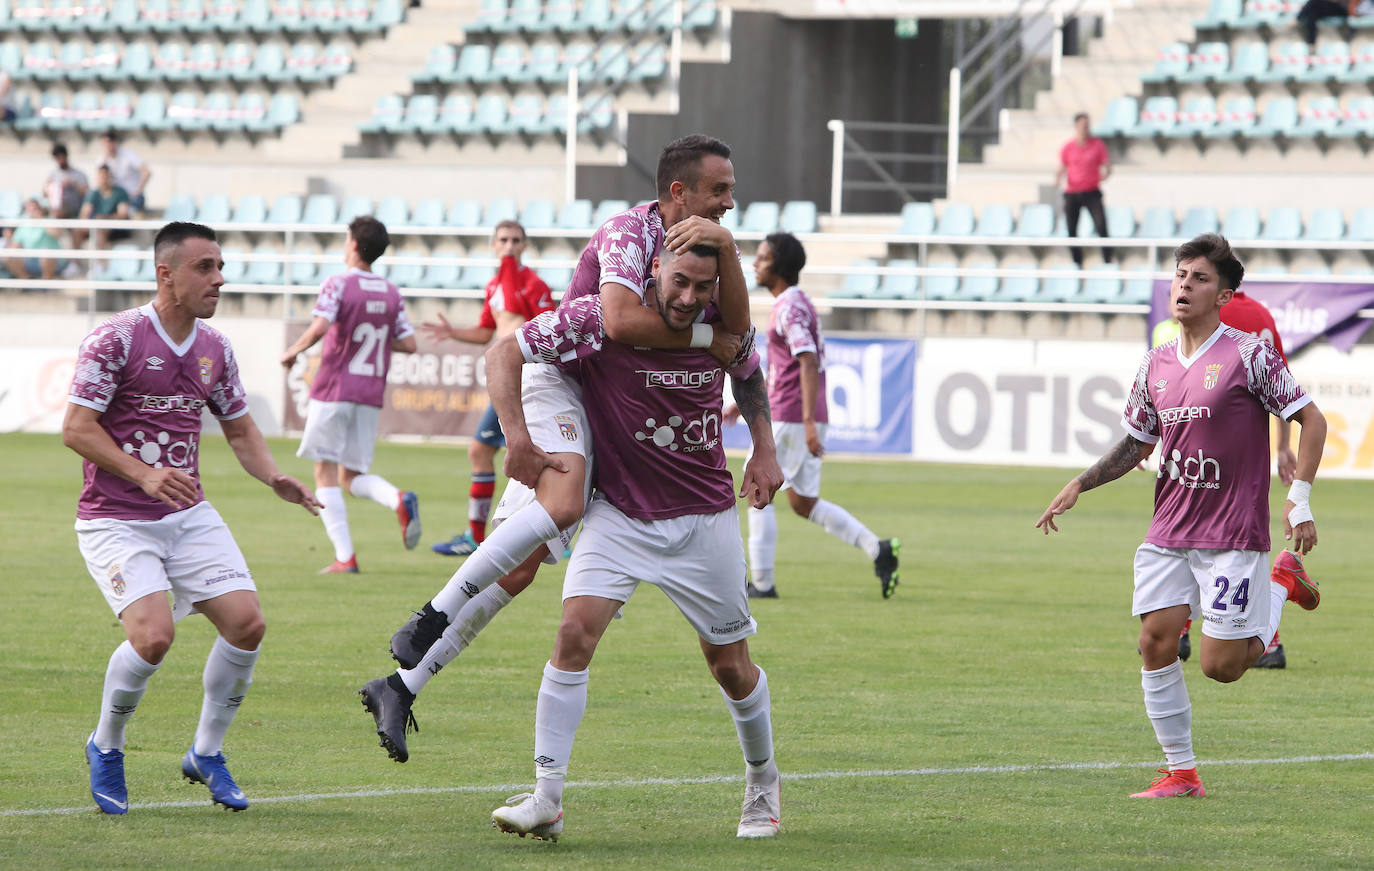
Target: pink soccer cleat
x,y
1181,783
1288,572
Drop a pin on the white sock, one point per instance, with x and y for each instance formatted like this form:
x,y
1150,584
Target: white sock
x,y
509,545
334,513
841,524
763,544
126,677
472,619
228,674
754,723
562,702
1278,594
1170,712
376,488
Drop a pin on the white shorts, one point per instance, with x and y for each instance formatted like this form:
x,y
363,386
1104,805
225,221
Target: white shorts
x,y
340,432
189,553
801,470
697,560
557,424
1229,589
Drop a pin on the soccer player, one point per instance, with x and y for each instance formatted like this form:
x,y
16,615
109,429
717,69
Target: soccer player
x,y
362,319
544,501
143,524
664,513
796,397
1206,399
515,295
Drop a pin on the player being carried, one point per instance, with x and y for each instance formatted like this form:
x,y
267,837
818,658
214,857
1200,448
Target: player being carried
x,y
664,513
362,319
796,399
1206,398
695,184
143,524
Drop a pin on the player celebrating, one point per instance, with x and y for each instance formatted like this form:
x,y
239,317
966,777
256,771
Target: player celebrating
x,y
664,513
514,295
1205,397
362,319
144,526
796,397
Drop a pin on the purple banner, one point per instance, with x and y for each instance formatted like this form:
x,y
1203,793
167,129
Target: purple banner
x,y
1302,310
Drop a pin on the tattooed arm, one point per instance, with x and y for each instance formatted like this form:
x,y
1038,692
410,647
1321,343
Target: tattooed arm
x,y
762,475
1120,459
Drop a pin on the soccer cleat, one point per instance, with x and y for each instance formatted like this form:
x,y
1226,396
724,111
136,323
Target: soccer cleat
x,y
413,640
1289,573
529,814
885,566
756,593
341,567
211,771
1185,647
107,778
762,810
388,701
459,545
408,512
1272,657
1183,782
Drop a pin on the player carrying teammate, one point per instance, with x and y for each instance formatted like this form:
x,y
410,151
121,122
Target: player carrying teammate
x,y
1206,398
362,319
796,396
514,295
664,513
144,526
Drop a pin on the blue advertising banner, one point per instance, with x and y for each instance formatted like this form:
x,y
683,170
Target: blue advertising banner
x,y
1302,311
870,390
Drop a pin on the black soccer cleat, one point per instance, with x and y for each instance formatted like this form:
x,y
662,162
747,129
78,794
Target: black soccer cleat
x,y
1185,647
413,640
388,701
756,593
1272,658
885,566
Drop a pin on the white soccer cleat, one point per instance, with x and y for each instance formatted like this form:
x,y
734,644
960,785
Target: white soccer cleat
x,y
529,814
762,810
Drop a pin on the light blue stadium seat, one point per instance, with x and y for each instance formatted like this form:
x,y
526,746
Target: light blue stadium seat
x,y
353,207
11,204
1289,60
474,64
406,274
150,112
980,287
124,268
465,213
489,13
580,53
235,267
1248,63
1137,291
320,209
1283,225
595,15
499,209
1329,62
422,110
489,114
475,277
1361,67
1237,116
115,112
443,276
337,60
607,209
454,114
1325,225
1173,61
1209,60
1320,117
956,220
798,216
698,14
1361,225
269,62
305,64
439,64
545,63
236,62
1357,119
1260,13
1198,220
650,63
858,285
507,60
1105,287
996,220
1119,119
1157,117
526,114
521,15
305,273
393,211
1019,288
214,210
282,112
612,62
556,277
250,209
559,15
428,212
1241,222
388,110
576,215
935,286
1222,13
1197,118
286,209
1058,289
1037,220
385,14
538,214
1156,223
730,220
181,207
263,271
1280,118
761,217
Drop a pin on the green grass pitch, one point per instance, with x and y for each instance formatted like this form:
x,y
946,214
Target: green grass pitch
x,y
989,715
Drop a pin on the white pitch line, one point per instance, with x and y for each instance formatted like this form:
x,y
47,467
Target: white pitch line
x,y
687,781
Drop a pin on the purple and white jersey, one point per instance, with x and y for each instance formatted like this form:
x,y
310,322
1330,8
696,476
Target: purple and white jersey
x,y
367,313
793,328
1211,413
621,251
656,414
150,392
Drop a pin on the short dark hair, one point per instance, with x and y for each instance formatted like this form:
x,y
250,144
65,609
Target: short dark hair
x,y
708,252
173,234
111,134
1079,116
788,256
59,150
370,236
681,160
1213,246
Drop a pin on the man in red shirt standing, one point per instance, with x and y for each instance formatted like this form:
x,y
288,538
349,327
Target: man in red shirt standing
x,y
1083,165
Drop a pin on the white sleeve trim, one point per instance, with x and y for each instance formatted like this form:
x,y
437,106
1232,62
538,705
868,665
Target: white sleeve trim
x,y
525,350
89,403
1137,434
235,416
623,282
1295,406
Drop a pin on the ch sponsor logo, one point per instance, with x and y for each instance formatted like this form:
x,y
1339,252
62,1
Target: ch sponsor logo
x,y
158,450
1194,472
688,435
678,380
1210,375
1184,413
155,363
161,404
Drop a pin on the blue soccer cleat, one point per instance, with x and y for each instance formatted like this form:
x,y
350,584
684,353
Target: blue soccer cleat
x,y
107,779
408,512
460,545
211,771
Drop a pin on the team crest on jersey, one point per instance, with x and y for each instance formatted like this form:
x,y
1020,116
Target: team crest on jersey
x,y
1209,378
117,580
207,369
567,427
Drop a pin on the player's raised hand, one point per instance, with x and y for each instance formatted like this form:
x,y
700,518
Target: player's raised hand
x,y
1063,502
1304,535
762,478
696,230
291,490
525,461
172,486
437,330
724,344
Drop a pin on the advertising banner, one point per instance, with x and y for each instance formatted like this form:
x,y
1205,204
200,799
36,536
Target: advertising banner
x,y
1302,311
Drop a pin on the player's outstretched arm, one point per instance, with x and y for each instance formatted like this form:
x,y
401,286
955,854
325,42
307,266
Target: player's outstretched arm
x,y
82,432
247,443
1298,524
524,459
1120,459
628,321
313,333
440,329
762,474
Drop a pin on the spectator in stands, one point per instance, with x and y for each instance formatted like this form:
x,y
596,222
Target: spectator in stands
x,y
1083,165
1314,10
106,200
31,237
129,170
66,186
9,109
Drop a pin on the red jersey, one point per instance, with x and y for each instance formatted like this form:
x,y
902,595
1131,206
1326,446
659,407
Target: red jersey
x,y
1249,315
515,289
1083,164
